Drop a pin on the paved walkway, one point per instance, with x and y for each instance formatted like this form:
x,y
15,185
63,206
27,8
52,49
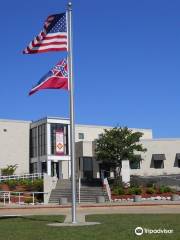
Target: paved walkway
x,y
96,209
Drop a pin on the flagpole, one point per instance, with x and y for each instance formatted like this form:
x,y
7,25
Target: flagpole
x,y
72,125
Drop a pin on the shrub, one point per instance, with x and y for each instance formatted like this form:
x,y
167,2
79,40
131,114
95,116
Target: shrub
x,y
118,191
11,183
28,200
167,189
121,191
38,185
134,190
25,183
115,191
150,190
134,183
164,189
9,170
117,182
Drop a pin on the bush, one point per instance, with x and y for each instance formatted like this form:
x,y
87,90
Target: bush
x,y
28,200
118,191
134,183
9,170
134,190
150,190
164,189
38,185
11,183
24,182
117,182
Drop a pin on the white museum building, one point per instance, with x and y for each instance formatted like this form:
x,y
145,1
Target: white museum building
x,y
43,146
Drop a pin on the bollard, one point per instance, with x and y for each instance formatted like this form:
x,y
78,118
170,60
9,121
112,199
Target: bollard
x,y
137,198
63,200
175,197
100,199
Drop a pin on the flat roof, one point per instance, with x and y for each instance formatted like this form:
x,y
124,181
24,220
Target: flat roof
x,y
49,117
101,126
161,139
17,121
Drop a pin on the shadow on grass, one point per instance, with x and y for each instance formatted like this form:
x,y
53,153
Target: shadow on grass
x,y
36,218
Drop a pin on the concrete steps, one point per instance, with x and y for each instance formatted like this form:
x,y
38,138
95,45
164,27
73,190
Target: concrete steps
x,y
87,193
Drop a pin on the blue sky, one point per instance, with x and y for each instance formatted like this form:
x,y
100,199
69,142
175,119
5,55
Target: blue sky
x,y
126,63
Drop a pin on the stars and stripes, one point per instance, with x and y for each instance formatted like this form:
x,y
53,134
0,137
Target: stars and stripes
x,y
53,37
56,78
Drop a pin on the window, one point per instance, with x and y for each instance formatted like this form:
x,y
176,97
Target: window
x,y
178,163
33,142
157,160
33,167
134,164
42,140
81,136
44,167
100,135
64,129
88,167
177,160
158,164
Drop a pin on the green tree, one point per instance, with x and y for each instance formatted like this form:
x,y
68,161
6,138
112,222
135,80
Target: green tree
x,y
118,144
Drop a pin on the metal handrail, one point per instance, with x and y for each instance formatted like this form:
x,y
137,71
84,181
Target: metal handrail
x,y
8,194
79,188
24,176
108,190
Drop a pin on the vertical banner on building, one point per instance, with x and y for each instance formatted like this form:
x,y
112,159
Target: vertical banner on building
x,y
59,142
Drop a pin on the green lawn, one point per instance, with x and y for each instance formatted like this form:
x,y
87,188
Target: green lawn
x,y
113,227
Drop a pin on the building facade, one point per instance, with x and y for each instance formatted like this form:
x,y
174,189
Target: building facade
x,y
14,144
45,155
43,146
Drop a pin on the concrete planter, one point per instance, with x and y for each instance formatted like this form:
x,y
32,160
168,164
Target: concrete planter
x,y
100,199
175,197
137,198
63,201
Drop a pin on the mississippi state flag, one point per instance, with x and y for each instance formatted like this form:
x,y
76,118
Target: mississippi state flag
x,y
56,78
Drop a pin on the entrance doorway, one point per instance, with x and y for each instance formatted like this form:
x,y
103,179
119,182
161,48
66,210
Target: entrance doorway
x,y
104,170
55,169
88,168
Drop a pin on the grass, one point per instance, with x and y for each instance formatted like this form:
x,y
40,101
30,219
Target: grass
x,y
112,227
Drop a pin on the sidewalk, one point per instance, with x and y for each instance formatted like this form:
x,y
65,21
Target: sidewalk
x,y
108,208
94,205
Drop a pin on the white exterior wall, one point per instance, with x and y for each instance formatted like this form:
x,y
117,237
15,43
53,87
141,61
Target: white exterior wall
x,y
14,144
169,147
92,132
65,169
14,148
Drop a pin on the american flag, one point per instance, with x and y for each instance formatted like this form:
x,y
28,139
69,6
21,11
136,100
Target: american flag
x,y
53,37
56,78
